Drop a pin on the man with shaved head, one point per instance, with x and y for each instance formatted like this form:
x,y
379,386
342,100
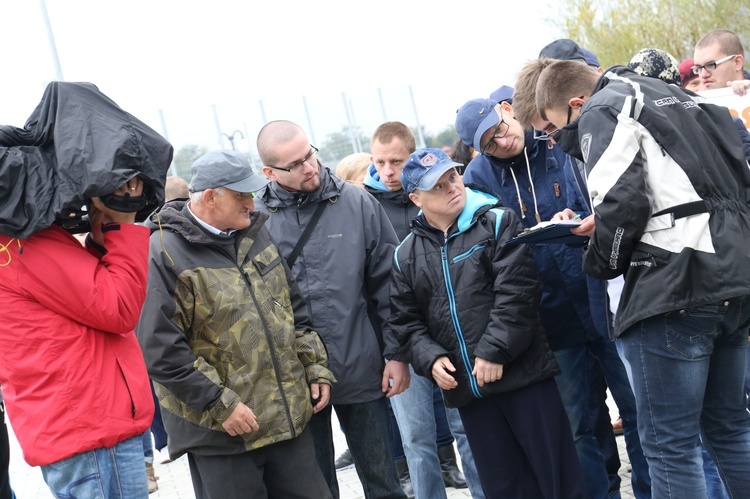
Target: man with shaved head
x,y
339,244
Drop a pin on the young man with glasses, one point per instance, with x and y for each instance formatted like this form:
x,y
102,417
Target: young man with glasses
x,y
670,188
529,177
343,269
603,297
719,61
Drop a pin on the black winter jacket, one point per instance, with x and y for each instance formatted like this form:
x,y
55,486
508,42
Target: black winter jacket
x,y
670,188
470,296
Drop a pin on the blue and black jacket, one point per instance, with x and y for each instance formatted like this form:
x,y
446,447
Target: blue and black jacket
x,y
471,295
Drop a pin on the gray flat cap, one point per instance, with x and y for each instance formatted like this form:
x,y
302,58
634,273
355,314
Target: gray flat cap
x,y
228,169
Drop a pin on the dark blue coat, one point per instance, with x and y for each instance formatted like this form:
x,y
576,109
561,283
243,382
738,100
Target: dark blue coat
x,y
564,308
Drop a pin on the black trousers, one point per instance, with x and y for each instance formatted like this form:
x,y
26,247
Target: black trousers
x,y
522,444
5,491
282,470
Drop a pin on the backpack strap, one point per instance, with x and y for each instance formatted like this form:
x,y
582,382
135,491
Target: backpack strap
x,y
498,218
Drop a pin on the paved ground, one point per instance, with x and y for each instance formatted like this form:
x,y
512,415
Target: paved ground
x,y
174,478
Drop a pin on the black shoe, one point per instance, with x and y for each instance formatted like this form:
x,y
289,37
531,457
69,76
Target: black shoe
x,y
404,478
452,476
344,461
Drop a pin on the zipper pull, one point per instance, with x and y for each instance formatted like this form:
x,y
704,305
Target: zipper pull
x,y
556,185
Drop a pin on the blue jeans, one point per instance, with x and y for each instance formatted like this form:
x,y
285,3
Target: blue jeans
x,y
689,376
714,486
148,449
468,465
618,382
415,415
157,425
574,386
105,473
5,491
368,435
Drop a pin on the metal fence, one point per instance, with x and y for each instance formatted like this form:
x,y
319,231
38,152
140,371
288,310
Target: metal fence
x,y
339,123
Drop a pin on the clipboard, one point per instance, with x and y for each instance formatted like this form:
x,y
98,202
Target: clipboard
x,y
557,232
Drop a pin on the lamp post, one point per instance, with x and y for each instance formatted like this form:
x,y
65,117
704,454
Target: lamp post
x,y
231,137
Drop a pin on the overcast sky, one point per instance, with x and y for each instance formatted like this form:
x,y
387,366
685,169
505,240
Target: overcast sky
x,y
188,58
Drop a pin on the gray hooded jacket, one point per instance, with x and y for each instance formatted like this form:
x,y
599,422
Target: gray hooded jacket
x,y
344,273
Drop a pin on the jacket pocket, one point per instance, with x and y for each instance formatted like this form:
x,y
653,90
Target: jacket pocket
x,y
265,268
645,255
273,276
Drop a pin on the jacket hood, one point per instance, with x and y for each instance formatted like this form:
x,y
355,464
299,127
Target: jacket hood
x,y
394,197
274,196
372,179
568,140
476,200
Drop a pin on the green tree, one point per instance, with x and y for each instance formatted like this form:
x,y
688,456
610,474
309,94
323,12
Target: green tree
x,y
185,157
616,30
445,137
338,145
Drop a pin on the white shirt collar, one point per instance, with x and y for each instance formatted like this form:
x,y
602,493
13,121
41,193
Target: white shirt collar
x,y
210,228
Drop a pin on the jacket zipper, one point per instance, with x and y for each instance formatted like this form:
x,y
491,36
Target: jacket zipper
x,y
471,251
466,359
271,347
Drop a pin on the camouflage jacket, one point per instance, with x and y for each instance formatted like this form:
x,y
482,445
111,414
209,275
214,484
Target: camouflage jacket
x,y
222,324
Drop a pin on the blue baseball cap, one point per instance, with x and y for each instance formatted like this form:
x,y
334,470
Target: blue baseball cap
x,y
503,94
591,58
424,169
473,119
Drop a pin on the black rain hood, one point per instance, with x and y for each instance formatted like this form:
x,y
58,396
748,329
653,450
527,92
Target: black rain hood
x,y
76,144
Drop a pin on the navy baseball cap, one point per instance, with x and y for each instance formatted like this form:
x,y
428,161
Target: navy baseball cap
x,y
503,94
473,119
424,169
563,49
591,58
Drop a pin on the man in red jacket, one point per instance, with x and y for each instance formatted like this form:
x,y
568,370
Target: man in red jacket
x,y
73,376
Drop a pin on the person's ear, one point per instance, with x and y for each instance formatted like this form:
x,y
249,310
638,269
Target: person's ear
x,y
208,197
415,199
508,109
577,101
739,64
270,173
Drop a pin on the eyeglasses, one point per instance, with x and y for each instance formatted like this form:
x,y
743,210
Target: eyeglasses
x,y
500,132
307,159
545,134
711,65
554,134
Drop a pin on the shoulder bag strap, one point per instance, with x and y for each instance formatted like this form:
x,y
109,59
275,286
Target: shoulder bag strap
x,y
306,234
